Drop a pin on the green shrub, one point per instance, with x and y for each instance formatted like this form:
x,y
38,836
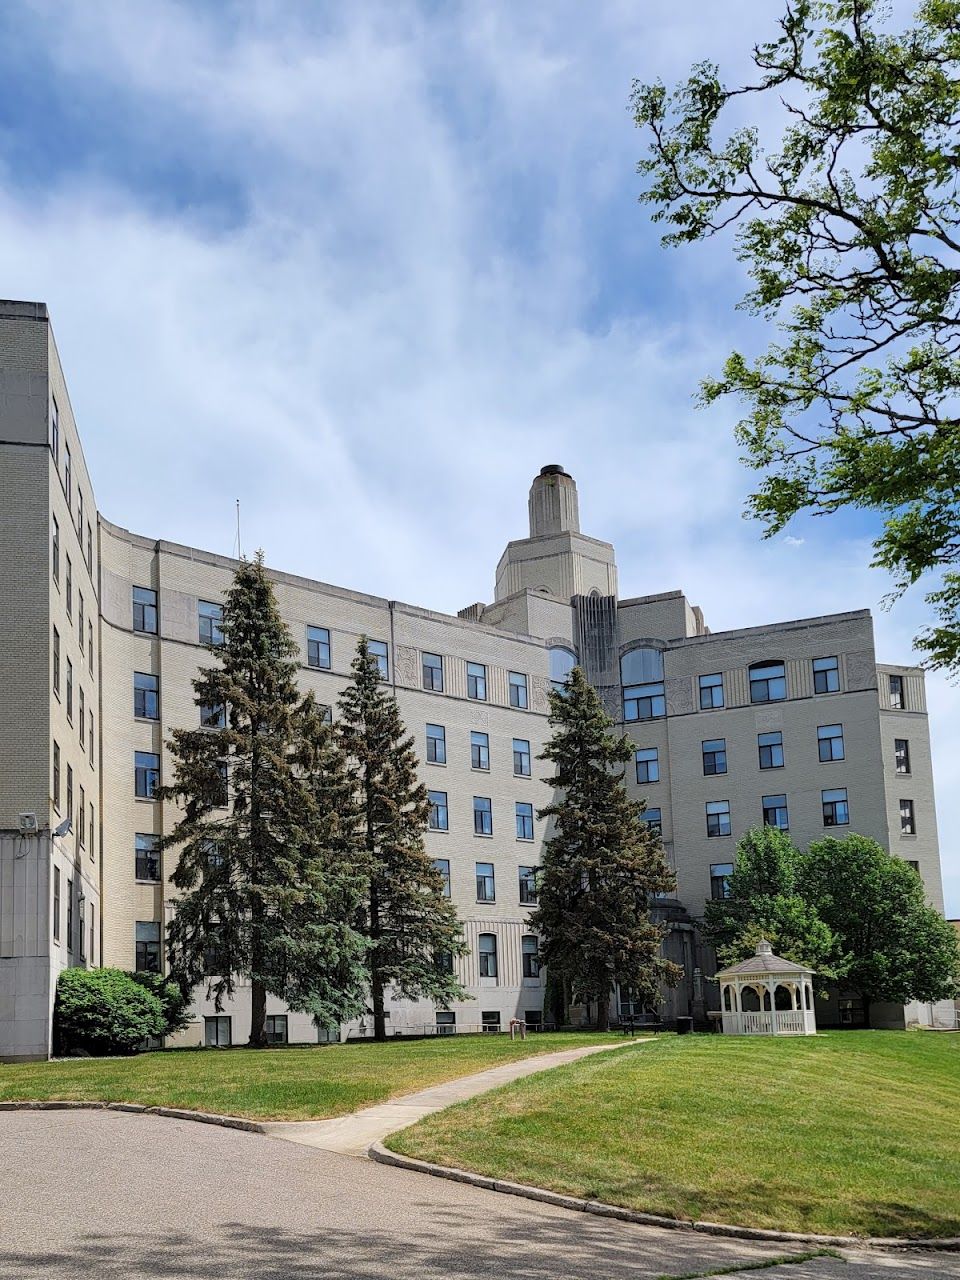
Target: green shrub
x,y
104,1011
175,1003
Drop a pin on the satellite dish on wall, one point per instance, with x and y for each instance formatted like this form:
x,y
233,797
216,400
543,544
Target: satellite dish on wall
x,y
65,827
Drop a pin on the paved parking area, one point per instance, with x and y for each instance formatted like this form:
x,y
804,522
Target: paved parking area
x,y
86,1194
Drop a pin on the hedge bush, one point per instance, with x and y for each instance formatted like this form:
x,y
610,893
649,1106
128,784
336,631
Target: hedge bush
x,y
105,1011
175,1003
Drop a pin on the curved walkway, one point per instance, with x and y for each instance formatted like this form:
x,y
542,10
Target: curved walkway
x,y
353,1135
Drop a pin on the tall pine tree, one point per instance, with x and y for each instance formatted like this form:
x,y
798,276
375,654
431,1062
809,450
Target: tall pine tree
x,y
602,864
412,929
267,890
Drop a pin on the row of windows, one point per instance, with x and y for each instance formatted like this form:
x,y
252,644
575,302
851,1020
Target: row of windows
x,y
436,750
84,717
432,679
830,747
76,934
84,809
439,818
835,811
84,623
68,486
486,881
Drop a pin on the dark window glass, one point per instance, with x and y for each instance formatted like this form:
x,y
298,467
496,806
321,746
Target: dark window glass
x,y
521,757
147,856
479,750
830,742
528,885
518,690
714,756
768,682
482,816
775,812
654,820
146,773
57,907
438,819
908,821
436,744
275,1026
487,954
826,675
318,647
531,957
145,610
213,716
524,820
432,668
486,886
770,746
835,810
562,662
901,754
720,873
210,619
711,692
477,681
647,761
146,696
148,946
490,1021
380,654
718,817
897,700
443,866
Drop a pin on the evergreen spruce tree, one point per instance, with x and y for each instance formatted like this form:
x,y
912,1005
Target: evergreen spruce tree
x,y
411,927
268,893
602,864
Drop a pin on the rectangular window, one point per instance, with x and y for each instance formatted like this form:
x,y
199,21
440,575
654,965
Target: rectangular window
x,y
70,791
901,755
770,746
377,650
720,873
81,930
826,675
913,865
90,743
90,647
56,661
79,513
89,547
718,817
490,1021
438,820
711,692
714,756
82,819
432,668
324,709
647,761
275,1026
521,758
775,812
318,647
486,886
148,946
69,587
93,831
217,1031
524,820
836,812
93,935
68,476
644,702
533,1019
221,797
531,956
897,700
436,744
146,696
54,430
479,750
80,635
69,915
145,610
446,1023
518,690
487,954
209,619
147,856
56,776
81,719
908,821
477,681
70,691
768,682
654,820
442,865
830,742
213,715
482,816
528,886
56,904
55,523
146,774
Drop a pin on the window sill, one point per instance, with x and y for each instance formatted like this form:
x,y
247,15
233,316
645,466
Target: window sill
x,y
479,768
526,839
153,882
523,775
908,835
436,764
146,799
487,902
439,831
483,835
147,719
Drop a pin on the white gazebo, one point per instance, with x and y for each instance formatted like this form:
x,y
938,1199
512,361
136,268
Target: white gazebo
x,y
767,996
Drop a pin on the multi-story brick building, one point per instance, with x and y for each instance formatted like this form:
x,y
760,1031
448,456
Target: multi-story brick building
x,y
792,723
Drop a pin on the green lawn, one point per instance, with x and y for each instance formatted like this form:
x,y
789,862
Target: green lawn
x,y
843,1133
276,1084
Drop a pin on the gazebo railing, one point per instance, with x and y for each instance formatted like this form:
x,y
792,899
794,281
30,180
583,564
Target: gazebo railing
x,y
788,1022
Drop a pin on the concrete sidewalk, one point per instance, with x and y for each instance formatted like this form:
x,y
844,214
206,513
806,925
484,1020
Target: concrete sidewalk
x,y
353,1135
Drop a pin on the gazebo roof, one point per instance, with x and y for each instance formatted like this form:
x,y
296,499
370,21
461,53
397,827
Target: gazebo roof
x,y
764,962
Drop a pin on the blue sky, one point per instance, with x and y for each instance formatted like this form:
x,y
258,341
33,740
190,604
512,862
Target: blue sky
x,y
368,267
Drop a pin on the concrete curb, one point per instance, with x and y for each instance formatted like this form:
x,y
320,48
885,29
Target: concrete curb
x,y
382,1155
171,1113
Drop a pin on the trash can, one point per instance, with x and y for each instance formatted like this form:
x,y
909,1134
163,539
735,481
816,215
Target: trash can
x,y
684,1026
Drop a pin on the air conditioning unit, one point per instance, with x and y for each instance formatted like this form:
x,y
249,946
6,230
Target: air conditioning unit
x,y
28,824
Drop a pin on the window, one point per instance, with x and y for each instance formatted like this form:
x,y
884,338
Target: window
x,y
145,610
826,675
913,865
148,946
79,513
80,619
56,548
486,886
82,819
93,832
146,696
89,547
81,719
718,817
908,821
81,933
93,935
90,743
711,692
68,475
56,661
901,755
641,675
482,816
487,954
479,751
770,746
54,430
562,662
275,1026
90,646
442,867
654,820
436,744
69,915
56,904
714,756
534,1019
518,690
325,710
147,849
446,1023
528,885
438,820
830,742
531,957
318,647
720,873
70,691
432,668
56,776
377,650
768,682
897,700
210,617
775,812
221,796
443,961
521,758
146,774
217,1032
524,820
490,1021
69,791
69,586
647,761
213,715
477,681
836,812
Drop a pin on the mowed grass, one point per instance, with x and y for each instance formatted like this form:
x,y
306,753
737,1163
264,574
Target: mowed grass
x,y
843,1133
276,1084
